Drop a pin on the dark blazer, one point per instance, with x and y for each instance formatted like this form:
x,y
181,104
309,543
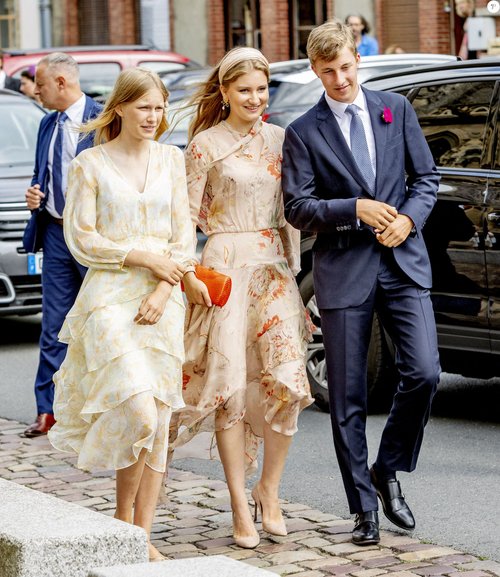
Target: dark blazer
x,y
32,239
321,183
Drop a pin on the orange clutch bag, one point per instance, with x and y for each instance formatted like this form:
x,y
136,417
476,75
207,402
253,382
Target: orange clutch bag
x,y
218,284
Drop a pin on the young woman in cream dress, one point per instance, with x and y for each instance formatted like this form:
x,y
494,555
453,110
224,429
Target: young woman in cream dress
x,y
127,220
244,376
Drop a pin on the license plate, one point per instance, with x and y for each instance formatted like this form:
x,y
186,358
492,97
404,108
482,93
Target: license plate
x,y
35,261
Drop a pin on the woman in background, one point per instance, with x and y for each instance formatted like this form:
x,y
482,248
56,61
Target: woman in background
x,y
366,45
28,84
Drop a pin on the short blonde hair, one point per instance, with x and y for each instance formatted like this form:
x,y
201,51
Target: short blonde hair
x,y
325,42
130,85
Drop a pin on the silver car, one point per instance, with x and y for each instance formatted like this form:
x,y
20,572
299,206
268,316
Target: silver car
x,y
294,93
20,281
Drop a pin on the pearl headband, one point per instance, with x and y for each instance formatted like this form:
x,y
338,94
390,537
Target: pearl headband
x,y
238,55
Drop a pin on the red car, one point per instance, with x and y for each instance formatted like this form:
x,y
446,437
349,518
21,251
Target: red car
x,y
100,65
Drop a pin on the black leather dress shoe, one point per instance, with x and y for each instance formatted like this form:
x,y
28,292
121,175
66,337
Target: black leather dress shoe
x,y
366,528
393,501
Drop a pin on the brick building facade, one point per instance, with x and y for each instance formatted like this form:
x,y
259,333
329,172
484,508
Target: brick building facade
x,y
423,26
205,29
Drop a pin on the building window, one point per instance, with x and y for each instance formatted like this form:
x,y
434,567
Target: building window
x,y
305,15
93,22
7,24
242,23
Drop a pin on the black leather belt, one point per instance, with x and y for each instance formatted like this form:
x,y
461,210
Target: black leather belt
x,y
55,219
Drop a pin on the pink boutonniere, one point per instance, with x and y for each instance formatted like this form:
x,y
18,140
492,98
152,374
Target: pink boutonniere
x,y
387,115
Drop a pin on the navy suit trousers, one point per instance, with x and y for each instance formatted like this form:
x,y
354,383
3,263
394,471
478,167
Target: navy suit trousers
x,y
406,314
61,280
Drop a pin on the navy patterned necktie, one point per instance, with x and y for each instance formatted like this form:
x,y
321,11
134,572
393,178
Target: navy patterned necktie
x,y
359,147
57,187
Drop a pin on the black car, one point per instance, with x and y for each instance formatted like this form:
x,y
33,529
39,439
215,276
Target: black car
x,y
458,109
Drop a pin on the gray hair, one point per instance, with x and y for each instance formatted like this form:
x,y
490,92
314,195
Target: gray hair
x,y
58,60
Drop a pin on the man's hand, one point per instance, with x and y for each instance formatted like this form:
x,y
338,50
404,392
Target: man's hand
x,y
376,214
34,197
396,233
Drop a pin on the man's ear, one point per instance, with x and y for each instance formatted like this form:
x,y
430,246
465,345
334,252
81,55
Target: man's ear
x,y
61,82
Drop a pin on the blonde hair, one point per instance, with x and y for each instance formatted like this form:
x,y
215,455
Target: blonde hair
x,y
130,85
325,42
208,98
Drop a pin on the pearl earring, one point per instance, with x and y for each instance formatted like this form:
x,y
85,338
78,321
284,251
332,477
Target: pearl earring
x,y
225,104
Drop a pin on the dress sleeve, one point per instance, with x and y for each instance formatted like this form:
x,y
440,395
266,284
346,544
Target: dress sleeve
x,y
290,237
197,177
181,243
86,244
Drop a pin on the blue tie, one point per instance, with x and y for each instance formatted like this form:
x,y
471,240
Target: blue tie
x,y
57,188
359,147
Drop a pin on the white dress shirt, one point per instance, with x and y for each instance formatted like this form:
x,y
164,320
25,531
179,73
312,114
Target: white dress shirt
x,y
70,142
344,121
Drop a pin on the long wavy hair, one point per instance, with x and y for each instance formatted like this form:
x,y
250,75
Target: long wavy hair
x,y
208,98
130,85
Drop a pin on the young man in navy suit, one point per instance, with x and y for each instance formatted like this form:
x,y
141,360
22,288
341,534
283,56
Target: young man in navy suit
x,y
357,171
58,87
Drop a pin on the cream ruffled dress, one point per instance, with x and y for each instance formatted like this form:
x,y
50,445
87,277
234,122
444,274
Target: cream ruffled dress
x,y
245,360
120,381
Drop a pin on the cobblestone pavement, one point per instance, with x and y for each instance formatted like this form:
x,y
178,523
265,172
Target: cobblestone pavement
x,y
196,520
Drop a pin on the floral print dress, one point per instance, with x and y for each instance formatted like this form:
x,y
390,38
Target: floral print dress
x,y
120,381
245,360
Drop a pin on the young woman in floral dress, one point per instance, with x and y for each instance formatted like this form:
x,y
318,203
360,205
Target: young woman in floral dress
x,y
244,376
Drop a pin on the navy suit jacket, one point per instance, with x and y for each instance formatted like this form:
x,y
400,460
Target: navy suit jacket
x,y
321,184
32,239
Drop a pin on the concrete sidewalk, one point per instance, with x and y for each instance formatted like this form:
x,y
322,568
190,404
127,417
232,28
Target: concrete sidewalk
x,y
196,520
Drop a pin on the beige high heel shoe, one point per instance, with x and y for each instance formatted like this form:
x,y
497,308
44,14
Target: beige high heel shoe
x,y
155,555
248,542
274,527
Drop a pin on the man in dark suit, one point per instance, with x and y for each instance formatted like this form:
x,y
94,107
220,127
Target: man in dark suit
x,y
8,81
58,87
358,172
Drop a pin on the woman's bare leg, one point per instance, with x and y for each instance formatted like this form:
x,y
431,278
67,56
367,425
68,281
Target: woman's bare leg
x,y
231,446
127,485
276,447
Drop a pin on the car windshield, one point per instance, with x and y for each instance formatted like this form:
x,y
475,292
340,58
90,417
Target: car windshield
x,y
19,122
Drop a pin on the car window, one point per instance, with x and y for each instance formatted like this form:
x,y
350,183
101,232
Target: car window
x,y
162,67
19,122
98,78
453,117
292,94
